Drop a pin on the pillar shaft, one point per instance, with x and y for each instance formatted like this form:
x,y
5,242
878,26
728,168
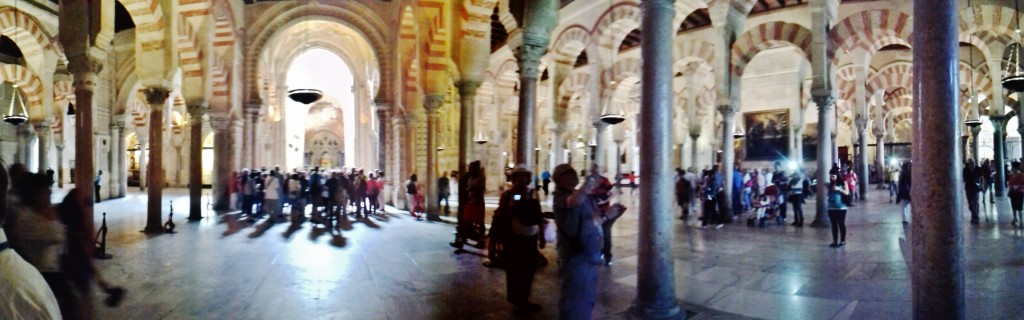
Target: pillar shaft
x,y
728,156
975,146
222,161
24,133
60,166
122,160
825,151
84,72
157,98
999,146
432,103
656,295
601,150
43,134
528,56
880,156
383,119
143,161
693,151
937,270
467,116
195,161
862,157
114,170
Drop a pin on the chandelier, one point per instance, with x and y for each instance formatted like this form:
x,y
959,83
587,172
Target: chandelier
x,y
16,112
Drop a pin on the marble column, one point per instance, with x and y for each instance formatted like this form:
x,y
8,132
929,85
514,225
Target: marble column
x,y
399,167
728,112
880,155
114,171
222,153
694,136
157,98
557,147
862,157
601,150
60,165
122,158
825,116
383,116
143,160
937,266
432,103
43,134
655,292
467,117
528,55
84,70
196,110
999,148
252,122
24,134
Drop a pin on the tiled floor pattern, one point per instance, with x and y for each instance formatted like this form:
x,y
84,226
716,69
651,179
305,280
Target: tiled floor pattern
x,y
395,267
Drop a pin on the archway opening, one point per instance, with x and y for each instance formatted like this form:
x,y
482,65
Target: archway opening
x,y
320,69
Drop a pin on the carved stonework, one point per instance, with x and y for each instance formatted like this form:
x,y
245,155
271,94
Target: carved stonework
x,y
824,101
156,95
433,102
861,124
467,88
529,59
727,110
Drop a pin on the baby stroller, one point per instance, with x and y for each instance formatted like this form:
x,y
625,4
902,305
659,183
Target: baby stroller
x,y
767,207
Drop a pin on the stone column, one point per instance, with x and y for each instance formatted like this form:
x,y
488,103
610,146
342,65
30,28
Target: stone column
x,y
195,161
252,122
157,99
728,112
656,294
84,70
937,269
880,154
398,172
467,117
143,160
862,157
122,158
557,146
825,105
432,103
694,136
528,55
24,134
43,133
383,116
222,153
114,170
601,150
999,146
60,165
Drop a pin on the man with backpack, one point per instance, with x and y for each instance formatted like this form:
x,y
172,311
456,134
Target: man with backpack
x,y
684,191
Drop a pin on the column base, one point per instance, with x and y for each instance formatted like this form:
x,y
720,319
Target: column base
x,y
673,312
195,217
158,229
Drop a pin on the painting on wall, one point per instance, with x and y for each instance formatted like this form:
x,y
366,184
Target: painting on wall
x,y
767,135
810,142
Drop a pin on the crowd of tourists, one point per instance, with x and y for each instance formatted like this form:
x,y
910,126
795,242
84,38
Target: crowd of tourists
x,y
327,193
46,251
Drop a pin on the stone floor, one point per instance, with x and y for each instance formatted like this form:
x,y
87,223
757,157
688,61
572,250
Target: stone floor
x,y
395,267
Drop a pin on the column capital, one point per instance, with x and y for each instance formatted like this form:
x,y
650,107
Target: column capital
x,y
528,56
433,102
156,96
84,64
220,121
824,101
861,123
467,87
878,132
197,109
727,109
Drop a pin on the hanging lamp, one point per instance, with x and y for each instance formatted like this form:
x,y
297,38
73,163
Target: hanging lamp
x,y
71,109
739,133
16,112
305,95
1013,78
611,117
973,120
480,138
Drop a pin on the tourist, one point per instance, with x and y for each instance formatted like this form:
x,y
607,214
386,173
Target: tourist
x,y
373,193
272,196
712,187
894,178
471,226
297,198
972,185
545,178
359,184
684,193
36,233
77,260
837,208
780,179
903,191
96,185
1016,183
248,191
385,190
522,216
411,189
443,191
342,185
579,243
23,290
851,184
796,197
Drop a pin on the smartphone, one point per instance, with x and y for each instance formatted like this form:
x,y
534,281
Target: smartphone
x,y
517,197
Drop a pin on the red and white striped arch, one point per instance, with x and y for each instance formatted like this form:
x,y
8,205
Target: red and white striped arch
x,y
685,51
189,51
63,93
569,43
148,16
764,36
869,30
27,82
613,26
27,34
892,76
572,85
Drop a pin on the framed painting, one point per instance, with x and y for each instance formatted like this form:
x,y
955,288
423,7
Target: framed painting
x,y
767,136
